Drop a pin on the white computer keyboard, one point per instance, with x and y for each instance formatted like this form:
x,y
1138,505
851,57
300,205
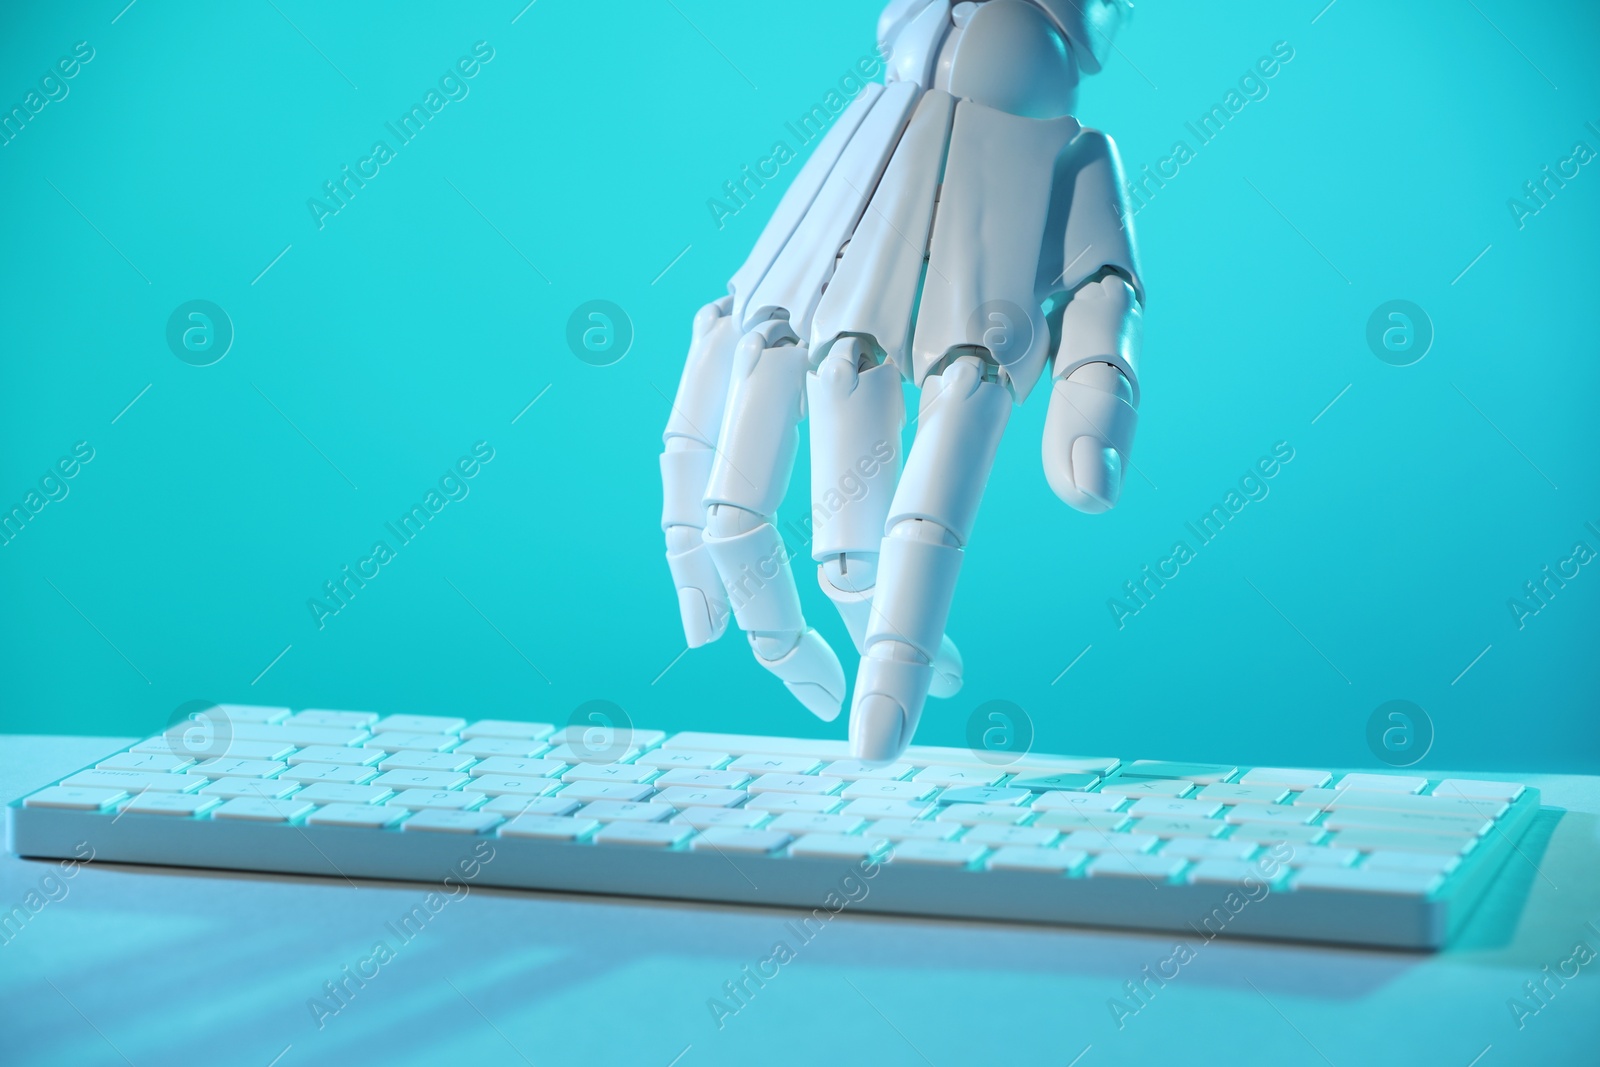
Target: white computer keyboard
x,y
1215,850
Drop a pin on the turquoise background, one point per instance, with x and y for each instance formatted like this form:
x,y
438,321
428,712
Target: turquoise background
x,y
424,317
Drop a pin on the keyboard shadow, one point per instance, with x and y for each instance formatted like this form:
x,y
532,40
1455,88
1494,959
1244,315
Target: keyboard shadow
x,y
1540,897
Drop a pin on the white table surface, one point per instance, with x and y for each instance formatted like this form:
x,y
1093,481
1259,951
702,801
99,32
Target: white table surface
x,y
146,965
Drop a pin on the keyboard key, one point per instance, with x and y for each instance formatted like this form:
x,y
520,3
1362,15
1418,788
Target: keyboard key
x,y
548,827
815,784
234,713
984,794
916,755
270,750
731,839
515,747
963,776
343,755
422,779
793,802
1039,860
800,823
1269,813
395,741
729,818
597,739
624,811
453,822
1425,862
914,829
1179,827
650,835
330,794
75,798
701,778
608,772
149,762
1334,800
810,784
1059,801
526,768
771,764
260,809
876,789
229,767
1427,822
1082,820
1071,780
295,735
1243,794
982,814
1145,787
514,785
1469,788
307,773
1228,872
1208,848
508,728
1204,773
754,744
938,853
425,761
688,796
1178,809
324,717
227,788
1382,783
428,799
419,724
1103,841
836,846
1127,865
138,781
584,790
513,804
1003,836
1030,764
1290,777
684,757
1265,833
593,757
360,816
1321,856
855,770
1367,880
886,809
1402,841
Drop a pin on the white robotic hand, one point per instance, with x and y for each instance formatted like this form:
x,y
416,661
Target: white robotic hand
x,y
956,228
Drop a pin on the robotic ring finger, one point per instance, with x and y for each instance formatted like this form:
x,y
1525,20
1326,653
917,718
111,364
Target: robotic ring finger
x,y
956,228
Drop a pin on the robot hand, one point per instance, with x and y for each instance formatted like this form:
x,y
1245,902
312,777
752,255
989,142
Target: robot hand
x,y
956,228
